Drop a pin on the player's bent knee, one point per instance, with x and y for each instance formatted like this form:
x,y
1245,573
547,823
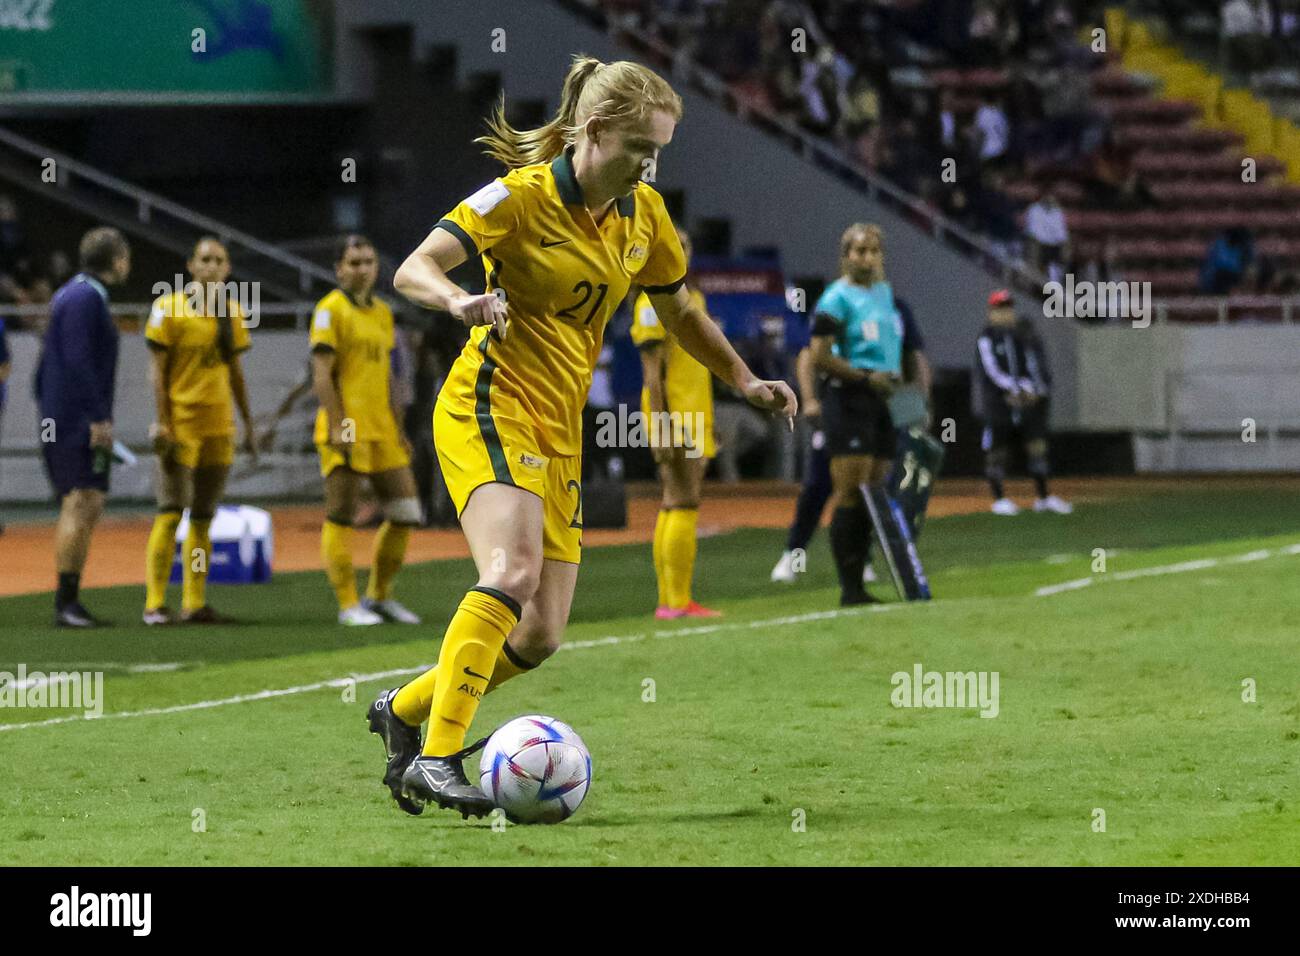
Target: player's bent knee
x,y
404,511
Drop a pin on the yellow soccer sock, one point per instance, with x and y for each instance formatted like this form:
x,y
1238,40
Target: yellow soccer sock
x,y
679,555
509,664
196,557
390,552
158,558
661,525
465,665
336,552
413,701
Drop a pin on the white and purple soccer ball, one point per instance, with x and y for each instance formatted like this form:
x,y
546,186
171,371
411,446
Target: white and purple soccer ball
x,y
536,769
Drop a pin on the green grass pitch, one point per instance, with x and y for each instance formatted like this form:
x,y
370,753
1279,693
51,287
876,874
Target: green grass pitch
x,y
771,737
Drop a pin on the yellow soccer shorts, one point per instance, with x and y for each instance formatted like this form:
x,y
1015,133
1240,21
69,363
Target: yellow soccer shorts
x,y
476,449
194,449
364,457
687,427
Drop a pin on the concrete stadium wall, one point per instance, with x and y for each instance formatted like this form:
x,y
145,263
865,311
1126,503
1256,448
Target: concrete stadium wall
x,y
1125,376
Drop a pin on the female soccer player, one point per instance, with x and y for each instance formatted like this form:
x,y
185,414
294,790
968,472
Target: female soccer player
x,y
357,434
562,236
196,337
857,342
678,391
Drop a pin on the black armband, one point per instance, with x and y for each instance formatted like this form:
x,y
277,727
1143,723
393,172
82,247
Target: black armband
x,y
825,324
446,225
668,289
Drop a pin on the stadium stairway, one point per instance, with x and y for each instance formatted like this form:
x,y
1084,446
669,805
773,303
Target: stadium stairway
x,y
1194,172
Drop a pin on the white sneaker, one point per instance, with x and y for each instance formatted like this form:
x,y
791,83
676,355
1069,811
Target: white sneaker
x,y
869,575
358,616
1052,503
783,573
1005,506
391,610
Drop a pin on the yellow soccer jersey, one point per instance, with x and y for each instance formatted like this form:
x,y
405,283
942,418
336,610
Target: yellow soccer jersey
x,y
562,277
688,385
198,377
362,339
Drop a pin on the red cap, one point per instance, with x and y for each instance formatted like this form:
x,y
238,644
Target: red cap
x,y
1000,297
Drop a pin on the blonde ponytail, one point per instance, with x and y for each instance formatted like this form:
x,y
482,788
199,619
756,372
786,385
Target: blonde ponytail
x,y
615,92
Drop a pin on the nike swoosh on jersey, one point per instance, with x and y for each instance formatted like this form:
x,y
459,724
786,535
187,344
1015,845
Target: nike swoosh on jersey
x,y
546,244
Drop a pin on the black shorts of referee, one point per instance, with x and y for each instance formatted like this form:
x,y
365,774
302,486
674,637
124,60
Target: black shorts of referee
x,y
856,420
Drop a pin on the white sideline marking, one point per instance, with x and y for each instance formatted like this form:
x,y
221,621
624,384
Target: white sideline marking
x,y
57,676
237,699
1198,565
408,671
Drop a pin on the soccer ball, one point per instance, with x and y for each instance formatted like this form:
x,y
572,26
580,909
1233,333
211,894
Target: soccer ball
x,y
536,769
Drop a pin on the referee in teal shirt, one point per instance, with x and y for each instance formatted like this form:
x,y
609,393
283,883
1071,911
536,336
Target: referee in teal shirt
x,y
857,344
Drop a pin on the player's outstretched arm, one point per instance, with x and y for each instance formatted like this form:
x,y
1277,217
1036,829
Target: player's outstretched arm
x,y
422,279
704,341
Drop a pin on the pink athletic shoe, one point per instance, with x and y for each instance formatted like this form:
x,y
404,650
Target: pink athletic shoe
x,y
666,613
698,610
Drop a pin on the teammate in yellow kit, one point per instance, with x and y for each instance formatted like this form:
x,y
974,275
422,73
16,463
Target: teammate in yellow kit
x,y
196,337
677,402
357,434
562,236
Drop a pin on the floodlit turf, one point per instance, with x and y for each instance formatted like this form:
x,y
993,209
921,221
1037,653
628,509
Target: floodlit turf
x,y
1124,696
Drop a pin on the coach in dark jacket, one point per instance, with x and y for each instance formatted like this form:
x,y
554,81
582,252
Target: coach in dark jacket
x,y
74,393
1012,388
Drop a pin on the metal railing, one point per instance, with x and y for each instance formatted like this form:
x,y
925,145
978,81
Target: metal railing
x,y
269,315
1287,306
147,208
300,311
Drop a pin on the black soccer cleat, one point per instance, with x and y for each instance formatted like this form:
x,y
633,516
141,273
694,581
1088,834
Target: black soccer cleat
x,y
441,781
401,745
74,615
